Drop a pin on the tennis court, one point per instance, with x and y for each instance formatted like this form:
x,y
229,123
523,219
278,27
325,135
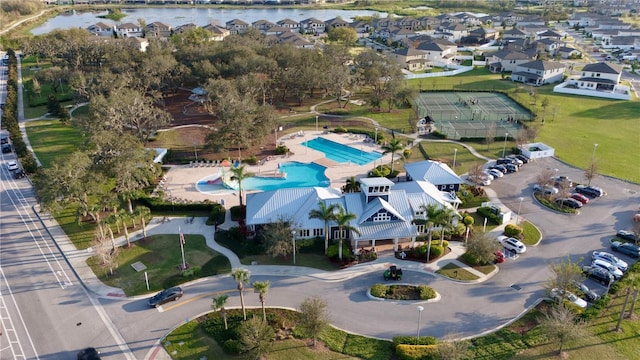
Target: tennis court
x,y
471,114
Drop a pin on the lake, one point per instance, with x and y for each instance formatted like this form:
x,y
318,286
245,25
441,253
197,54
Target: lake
x,y
200,16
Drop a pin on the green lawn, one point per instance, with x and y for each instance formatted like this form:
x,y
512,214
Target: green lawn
x,y
52,140
531,233
161,255
453,271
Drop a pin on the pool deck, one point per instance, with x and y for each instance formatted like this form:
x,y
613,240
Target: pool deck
x,y
180,183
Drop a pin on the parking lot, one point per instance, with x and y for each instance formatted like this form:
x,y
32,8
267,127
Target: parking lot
x,y
564,235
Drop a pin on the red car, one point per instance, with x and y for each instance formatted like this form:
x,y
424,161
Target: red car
x,y
499,257
583,199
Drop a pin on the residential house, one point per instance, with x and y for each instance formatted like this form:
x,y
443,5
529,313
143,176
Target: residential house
x,y
531,20
184,28
158,30
549,46
480,36
506,60
409,23
237,26
361,27
288,23
539,72
566,52
600,76
548,34
453,32
292,38
507,18
262,25
429,22
398,34
129,30
438,50
411,59
335,22
312,26
514,33
218,33
140,43
101,29
277,30
437,173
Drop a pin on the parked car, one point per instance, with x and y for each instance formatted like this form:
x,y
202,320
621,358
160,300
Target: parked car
x,y
589,190
515,160
499,257
522,158
587,293
626,235
19,174
496,173
512,244
559,294
166,295
89,354
557,180
500,168
569,202
617,273
488,175
610,258
480,180
504,161
6,148
583,199
12,165
545,190
626,248
4,139
511,168
600,275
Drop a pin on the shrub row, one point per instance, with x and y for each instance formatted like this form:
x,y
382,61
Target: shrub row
x,y
486,211
512,230
417,352
413,340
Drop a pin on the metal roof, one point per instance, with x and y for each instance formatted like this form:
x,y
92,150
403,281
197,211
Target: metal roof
x,y
434,172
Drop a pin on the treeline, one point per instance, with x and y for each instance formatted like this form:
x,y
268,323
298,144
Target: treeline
x,y
11,10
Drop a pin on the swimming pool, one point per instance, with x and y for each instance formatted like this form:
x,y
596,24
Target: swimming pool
x,y
297,175
342,153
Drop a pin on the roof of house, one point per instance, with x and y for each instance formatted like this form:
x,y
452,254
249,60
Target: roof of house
x,y
543,65
508,54
567,49
287,22
603,67
513,31
434,172
408,52
550,33
128,26
598,80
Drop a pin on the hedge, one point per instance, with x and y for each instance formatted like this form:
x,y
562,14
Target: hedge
x,y
412,340
417,352
485,211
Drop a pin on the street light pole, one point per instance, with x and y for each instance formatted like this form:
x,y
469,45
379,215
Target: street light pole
x,y
504,147
420,309
293,242
376,138
195,152
316,123
519,207
455,154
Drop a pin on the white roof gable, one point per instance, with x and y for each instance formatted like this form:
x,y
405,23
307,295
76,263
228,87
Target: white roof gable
x,y
434,172
382,229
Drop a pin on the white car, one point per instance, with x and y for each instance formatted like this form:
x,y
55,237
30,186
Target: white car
x,y
488,175
568,296
12,165
611,259
496,173
547,190
484,181
617,273
512,244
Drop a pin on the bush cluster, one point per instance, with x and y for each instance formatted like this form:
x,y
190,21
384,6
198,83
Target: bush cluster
x,y
417,352
512,230
412,340
426,292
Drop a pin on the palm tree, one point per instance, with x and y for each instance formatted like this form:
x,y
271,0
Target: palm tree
x,y
326,214
431,212
218,304
143,211
352,185
437,216
239,175
392,147
241,276
124,215
342,218
443,220
262,287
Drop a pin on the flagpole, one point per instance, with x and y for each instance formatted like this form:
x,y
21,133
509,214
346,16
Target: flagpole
x,y
184,264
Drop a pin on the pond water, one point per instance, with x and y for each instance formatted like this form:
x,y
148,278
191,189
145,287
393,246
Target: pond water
x,y
199,15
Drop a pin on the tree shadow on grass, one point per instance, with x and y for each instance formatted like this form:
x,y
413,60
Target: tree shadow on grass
x,y
621,110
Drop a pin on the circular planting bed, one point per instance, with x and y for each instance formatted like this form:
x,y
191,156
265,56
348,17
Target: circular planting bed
x,y
403,292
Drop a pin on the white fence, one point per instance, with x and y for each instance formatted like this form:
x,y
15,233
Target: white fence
x,y
623,95
459,70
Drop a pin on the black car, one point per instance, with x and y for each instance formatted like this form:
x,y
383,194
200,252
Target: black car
x,y
166,295
626,248
4,139
511,168
504,161
587,293
522,158
626,235
598,274
19,174
568,202
6,148
589,190
89,354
